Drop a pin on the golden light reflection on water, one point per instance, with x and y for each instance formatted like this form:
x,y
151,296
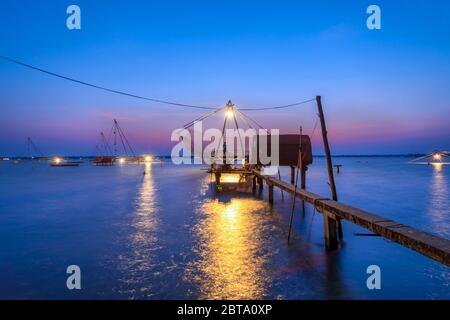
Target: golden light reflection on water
x,y
437,167
145,221
439,200
230,235
142,239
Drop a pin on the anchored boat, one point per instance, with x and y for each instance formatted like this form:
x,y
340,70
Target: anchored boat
x,y
60,162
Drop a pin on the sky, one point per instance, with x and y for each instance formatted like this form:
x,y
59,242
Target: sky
x,y
384,91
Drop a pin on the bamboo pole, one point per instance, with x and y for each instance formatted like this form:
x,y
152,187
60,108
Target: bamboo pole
x,y
303,184
292,174
299,161
279,178
329,161
302,169
327,148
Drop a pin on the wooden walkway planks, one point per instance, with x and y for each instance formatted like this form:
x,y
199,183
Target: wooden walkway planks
x,y
425,243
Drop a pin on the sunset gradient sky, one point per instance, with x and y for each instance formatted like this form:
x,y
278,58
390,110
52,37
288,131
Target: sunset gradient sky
x,y
384,91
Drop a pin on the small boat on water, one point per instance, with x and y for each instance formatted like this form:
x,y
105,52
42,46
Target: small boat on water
x,y
103,161
65,164
59,162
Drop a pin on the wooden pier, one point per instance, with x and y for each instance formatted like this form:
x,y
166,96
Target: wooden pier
x,y
333,211
427,244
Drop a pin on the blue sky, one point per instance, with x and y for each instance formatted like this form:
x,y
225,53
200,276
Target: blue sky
x,y
384,91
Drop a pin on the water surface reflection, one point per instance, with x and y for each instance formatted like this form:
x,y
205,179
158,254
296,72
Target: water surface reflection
x,y
231,264
138,263
438,201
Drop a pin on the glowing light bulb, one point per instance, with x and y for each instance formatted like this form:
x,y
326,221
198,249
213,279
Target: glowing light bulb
x,y
57,160
147,158
121,160
437,156
230,113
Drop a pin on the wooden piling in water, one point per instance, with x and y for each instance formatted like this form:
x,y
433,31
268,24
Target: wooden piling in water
x,y
326,146
270,192
260,183
330,231
217,176
303,183
292,174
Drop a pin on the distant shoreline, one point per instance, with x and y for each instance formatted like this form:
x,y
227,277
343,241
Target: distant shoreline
x,y
168,157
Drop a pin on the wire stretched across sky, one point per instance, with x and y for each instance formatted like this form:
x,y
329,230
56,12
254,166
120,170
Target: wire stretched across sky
x,y
120,92
104,88
279,107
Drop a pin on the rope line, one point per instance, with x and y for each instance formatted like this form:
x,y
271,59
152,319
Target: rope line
x,y
279,107
191,123
124,93
246,121
250,119
105,88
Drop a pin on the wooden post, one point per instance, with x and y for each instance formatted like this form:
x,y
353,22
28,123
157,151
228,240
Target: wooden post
x,y
270,193
330,228
292,174
260,183
254,183
303,184
279,178
303,177
302,168
217,174
328,156
299,168
339,227
327,148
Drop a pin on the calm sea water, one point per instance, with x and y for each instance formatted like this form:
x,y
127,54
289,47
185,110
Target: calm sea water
x,y
167,235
